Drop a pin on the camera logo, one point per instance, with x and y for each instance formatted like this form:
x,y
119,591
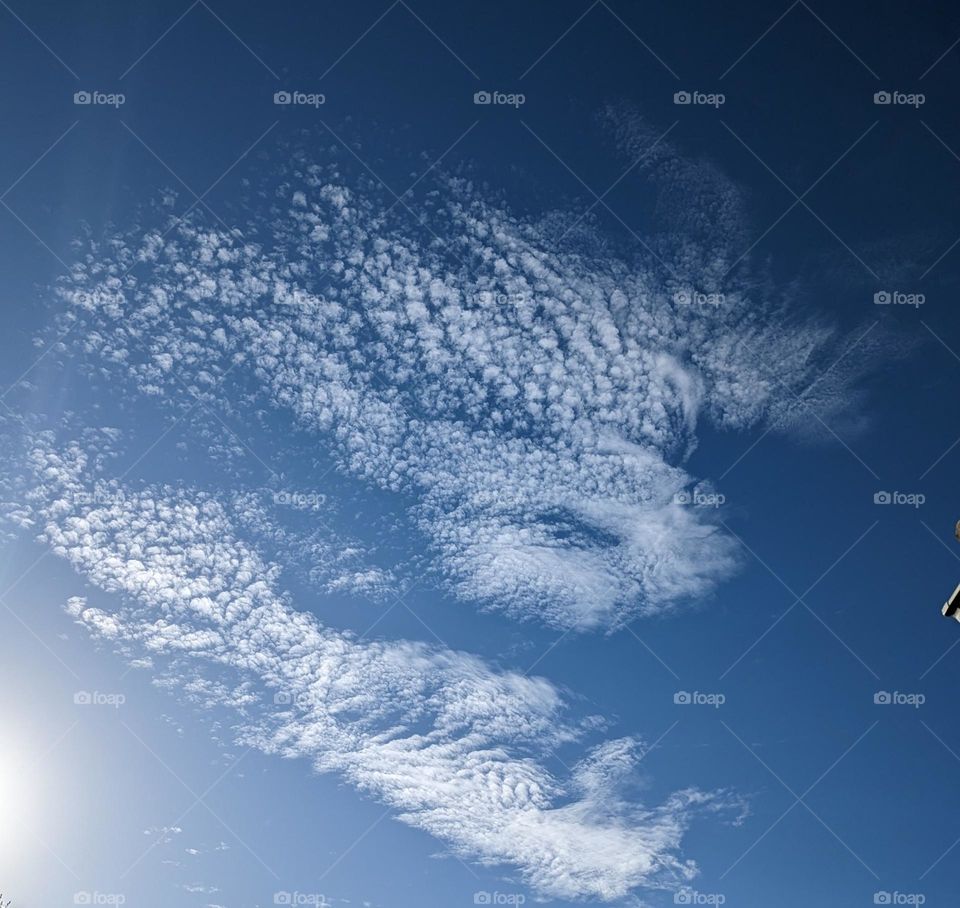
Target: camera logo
x,y
302,501
499,98
700,499
99,497
96,698
99,898
99,99
899,898
498,898
692,897
899,99
299,99
896,698
699,99
913,499
301,699
695,297
898,298
697,698
499,299
315,899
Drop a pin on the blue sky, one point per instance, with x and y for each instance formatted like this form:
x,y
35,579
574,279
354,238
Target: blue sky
x,y
443,467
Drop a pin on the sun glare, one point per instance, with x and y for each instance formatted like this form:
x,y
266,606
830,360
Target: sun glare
x,y
17,790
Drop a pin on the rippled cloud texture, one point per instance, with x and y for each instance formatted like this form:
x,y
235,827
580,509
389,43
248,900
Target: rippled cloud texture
x,y
529,393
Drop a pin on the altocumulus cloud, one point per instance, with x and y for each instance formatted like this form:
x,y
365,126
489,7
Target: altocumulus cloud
x,y
531,392
527,390
453,746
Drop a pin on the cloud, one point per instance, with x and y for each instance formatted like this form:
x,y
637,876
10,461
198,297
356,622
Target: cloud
x,y
328,559
523,389
531,395
452,745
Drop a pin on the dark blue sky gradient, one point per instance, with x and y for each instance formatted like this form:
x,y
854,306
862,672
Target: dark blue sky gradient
x,y
803,694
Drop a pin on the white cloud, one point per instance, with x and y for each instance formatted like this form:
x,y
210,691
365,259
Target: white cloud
x,y
534,399
453,746
530,395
